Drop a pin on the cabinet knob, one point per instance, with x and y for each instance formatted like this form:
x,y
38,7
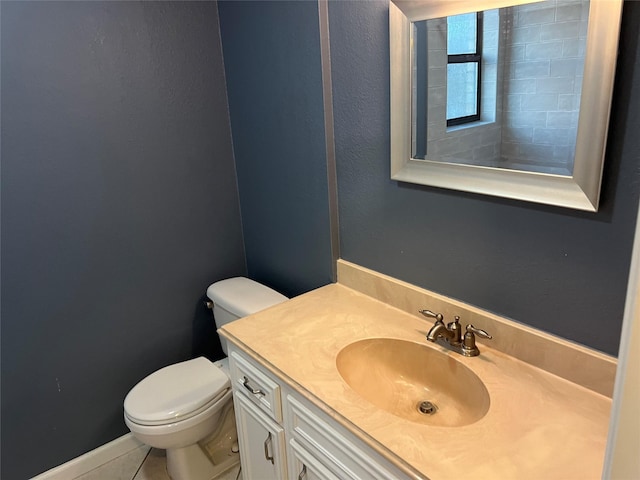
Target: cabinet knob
x,y
303,472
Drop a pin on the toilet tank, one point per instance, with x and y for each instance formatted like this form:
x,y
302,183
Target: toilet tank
x,y
238,297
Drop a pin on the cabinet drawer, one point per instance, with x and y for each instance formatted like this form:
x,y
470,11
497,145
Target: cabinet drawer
x,y
256,385
346,458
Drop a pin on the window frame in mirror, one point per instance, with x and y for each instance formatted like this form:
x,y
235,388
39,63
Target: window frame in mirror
x,y
581,190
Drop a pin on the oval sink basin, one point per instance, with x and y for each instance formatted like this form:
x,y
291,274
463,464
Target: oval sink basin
x,y
399,376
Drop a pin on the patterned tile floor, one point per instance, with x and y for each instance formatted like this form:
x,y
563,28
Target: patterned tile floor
x,y
143,463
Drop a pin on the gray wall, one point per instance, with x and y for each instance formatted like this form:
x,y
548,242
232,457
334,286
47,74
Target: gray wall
x,y
274,77
559,270
119,207
119,199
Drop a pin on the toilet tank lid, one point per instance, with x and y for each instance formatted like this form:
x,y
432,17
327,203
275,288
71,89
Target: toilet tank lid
x,y
242,296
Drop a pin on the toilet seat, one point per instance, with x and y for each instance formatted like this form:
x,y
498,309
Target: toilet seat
x,y
176,393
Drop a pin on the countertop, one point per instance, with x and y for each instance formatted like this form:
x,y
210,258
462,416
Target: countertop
x,y
538,425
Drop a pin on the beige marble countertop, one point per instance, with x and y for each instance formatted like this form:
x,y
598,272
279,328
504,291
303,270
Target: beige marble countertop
x,y
538,426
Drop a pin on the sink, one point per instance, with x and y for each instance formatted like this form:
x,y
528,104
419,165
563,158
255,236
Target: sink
x,y
400,377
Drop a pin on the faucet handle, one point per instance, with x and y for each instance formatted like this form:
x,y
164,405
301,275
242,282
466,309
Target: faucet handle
x,y
469,348
428,313
479,332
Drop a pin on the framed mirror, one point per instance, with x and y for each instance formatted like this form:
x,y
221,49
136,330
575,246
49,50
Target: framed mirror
x,y
512,100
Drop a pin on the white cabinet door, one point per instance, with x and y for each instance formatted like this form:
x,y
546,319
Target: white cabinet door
x,y
337,450
261,440
304,466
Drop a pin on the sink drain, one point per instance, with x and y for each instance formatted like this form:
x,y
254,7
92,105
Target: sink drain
x,y
427,408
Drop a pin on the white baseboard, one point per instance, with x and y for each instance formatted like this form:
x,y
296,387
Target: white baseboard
x,y
93,459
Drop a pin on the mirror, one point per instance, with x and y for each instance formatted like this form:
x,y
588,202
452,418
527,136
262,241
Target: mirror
x,y
511,101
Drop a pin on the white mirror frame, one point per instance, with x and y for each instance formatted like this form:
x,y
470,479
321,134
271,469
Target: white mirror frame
x,y
580,191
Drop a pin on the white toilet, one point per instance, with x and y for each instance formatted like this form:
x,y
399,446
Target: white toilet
x,y
179,406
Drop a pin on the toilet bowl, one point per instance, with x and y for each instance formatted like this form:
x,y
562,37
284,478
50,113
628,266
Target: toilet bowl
x,y
177,407
187,408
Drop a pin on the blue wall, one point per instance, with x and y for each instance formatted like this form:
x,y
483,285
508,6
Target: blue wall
x,y
119,208
555,269
120,205
274,83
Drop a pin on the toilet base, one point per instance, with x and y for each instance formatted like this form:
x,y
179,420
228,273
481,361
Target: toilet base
x,y
209,458
191,463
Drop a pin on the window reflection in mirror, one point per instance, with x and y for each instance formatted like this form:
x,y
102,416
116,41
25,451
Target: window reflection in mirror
x,y
464,59
500,88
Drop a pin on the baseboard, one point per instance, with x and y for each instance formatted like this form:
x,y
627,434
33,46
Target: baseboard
x,y
93,459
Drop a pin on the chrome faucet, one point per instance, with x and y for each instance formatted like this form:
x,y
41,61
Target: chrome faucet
x,y
452,334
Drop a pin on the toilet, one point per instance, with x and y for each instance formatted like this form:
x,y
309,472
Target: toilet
x,y
187,408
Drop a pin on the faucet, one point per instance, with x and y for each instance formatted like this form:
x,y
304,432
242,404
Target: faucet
x,y
452,334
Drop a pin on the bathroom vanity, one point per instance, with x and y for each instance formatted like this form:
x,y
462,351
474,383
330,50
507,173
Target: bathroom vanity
x,y
284,435
299,416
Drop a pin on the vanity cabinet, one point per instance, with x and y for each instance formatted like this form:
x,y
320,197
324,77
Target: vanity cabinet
x,y
283,435
258,410
261,441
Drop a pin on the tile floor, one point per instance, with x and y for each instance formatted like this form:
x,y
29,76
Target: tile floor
x,y
143,463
